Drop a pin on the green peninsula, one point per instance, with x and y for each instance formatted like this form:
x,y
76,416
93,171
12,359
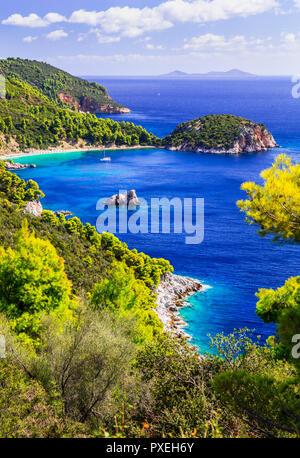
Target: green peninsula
x,y
220,133
61,88
33,116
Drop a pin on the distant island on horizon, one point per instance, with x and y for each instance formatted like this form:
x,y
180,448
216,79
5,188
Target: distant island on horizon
x,y
234,73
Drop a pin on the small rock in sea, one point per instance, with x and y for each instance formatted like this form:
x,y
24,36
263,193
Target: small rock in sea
x,y
63,212
128,199
15,166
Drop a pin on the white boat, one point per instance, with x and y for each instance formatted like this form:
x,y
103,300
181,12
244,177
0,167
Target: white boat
x,y
105,158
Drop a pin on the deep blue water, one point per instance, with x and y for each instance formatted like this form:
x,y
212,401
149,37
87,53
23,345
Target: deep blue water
x,y
233,260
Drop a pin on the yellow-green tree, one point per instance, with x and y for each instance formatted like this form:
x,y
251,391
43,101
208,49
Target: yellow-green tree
x,y
32,281
275,205
17,190
122,293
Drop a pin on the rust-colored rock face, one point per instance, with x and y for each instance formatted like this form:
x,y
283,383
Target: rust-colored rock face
x,y
251,137
92,106
65,98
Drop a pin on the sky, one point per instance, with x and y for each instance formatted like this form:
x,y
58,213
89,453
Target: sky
x,y
138,37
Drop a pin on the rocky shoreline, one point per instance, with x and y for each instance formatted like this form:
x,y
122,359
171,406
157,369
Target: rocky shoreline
x,y
171,294
17,166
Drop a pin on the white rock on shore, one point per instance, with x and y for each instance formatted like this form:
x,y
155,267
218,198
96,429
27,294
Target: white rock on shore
x,y
170,294
17,166
33,208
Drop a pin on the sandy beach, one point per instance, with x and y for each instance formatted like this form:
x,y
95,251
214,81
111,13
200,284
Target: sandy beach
x,y
69,149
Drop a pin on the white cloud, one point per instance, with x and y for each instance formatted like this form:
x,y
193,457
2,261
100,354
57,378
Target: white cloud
x,y
290,42
288,38
102,39
133,22
151,46
29,39
211,42
297,3
214,10
54,17
129,22
33,20
56,35
163,15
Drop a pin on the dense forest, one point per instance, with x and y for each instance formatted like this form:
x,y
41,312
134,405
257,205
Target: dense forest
x,y
34,115
31,120
86,355
55,84
211,131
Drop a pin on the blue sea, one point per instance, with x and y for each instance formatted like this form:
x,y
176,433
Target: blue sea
x,y
233,261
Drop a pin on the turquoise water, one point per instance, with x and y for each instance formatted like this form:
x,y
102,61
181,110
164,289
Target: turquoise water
x,y
232,260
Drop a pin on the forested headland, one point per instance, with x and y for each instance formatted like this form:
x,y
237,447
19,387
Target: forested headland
x,y
32,115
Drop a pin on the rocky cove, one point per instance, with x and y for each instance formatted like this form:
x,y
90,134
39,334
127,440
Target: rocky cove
x,y
172,292
18,166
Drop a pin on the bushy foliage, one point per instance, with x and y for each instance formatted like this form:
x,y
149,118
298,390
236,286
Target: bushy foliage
x,y
26,410
212,131
275,205
257,386
273,304
70,246
32,281
16,190
148,269
121,292
83,360
181,401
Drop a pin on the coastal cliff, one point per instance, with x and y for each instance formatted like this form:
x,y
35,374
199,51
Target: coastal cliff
x,y
39,122
220,134
171,292
33,208
60,87
90,105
